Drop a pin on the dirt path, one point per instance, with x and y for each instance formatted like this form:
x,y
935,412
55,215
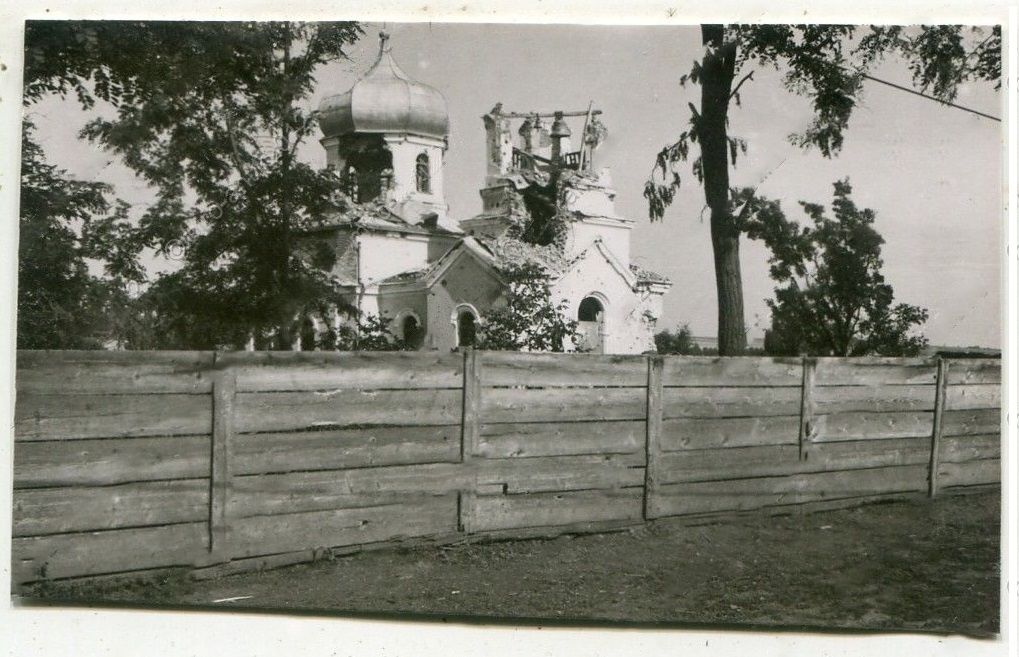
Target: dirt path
x,y
930,565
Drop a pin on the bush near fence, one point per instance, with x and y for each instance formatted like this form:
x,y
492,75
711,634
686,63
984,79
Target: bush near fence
x,y
131,461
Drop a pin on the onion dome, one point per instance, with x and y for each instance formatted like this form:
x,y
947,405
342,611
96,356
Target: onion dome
x,y
385,100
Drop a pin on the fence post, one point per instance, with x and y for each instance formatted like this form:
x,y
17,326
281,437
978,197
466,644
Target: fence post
x,y
224,391
652,444
470,430
807,406
940,390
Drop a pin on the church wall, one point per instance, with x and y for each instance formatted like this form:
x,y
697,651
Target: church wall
x,y
405,150
626,328
466,281
617,239
385,255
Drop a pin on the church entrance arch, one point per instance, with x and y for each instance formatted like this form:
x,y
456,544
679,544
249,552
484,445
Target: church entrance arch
x,y
591,323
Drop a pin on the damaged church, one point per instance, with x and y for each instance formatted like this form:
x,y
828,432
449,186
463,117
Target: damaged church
x,y
400,256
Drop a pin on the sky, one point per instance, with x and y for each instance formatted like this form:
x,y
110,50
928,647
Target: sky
x,y
931,173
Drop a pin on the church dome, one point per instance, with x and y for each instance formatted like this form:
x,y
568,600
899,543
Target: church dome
x,y
385,100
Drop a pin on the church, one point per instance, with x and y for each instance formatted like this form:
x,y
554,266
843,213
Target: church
x,y
401,257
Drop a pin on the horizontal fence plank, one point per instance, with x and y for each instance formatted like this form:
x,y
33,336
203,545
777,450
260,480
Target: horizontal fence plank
x,y
113,372
877,398
561,473
261,535
287,411
970,473
861,425
109,461
683,371
562,404
502,368
870,371
335,449
106,552
297,492
758,492
277,371
958,449
974,370
531,439
779,460
60,510
706,433
964,423
66,417
494,512
971,397
730,402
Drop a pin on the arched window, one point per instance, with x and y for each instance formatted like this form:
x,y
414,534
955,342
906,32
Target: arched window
x,y
423,174
590,310
412,333
466,328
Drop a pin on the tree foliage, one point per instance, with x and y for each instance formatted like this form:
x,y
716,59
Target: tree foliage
x,y
529,319
678,342
211,115
833,299
66,224
826,64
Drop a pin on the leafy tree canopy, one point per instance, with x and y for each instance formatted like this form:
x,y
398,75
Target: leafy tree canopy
x,y
529,319
832,298
825,63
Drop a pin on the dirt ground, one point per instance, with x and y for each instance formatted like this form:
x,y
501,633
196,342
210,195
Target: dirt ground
x,y
911,565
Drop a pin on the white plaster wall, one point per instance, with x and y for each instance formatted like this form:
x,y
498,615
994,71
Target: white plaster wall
x,y
626,331
384,255
466,281
584,234
405,150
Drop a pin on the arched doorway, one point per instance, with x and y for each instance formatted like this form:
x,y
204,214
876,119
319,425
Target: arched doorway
x,y
591,324
411,331
466,327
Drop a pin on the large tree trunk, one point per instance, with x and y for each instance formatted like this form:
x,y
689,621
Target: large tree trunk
x,y
717,73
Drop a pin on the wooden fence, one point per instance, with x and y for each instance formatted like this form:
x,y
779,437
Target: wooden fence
x,y
130,461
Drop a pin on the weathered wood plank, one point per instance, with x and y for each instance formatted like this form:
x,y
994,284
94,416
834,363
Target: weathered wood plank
x,y
543,509
973,370
224,397
59,510
970,473
287,411
653,444
863,425
109,461
958,449
49,417
971,397
713,402
936,432
259,535
562,404
298,492
276,371
561,473
114,551
879,398
705,433
563,370
972,422
334,449
746,494
871,371
528,439
779,460
805,435
710,371
113,372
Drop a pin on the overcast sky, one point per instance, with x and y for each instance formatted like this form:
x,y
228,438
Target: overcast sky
x,y
931,173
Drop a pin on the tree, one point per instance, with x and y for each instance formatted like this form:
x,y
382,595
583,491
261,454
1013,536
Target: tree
x,y
833,299
820,63
64,225
210,114
529,320
679,342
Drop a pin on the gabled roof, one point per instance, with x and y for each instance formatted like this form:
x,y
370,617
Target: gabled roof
x,y
377,218
429,276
